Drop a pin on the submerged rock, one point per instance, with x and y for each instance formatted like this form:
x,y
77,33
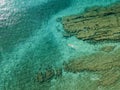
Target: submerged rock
x,y
105,64
96,24
58,72
48,75
110,77
40,77
107,48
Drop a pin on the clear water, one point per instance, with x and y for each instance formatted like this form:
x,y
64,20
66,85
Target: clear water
x,y
31,38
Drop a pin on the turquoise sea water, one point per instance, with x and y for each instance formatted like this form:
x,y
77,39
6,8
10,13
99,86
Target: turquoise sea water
x,y
31,38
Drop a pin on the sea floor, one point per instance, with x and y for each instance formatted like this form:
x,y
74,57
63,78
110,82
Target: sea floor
x,y
34,54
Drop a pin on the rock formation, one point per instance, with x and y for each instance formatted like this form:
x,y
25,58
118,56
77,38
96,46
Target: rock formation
x,y
107,48
95,24
105,64
48,75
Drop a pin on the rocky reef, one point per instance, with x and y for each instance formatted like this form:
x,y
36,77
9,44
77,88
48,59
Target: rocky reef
x,y
95,24
105,64
48,75
108,48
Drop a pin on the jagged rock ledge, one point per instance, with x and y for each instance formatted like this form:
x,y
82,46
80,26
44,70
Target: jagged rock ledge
x,y
95,24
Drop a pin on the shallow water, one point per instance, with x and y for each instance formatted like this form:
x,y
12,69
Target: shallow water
x,y
31,38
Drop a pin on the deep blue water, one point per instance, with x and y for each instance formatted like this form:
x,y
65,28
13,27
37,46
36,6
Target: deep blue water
x,y
30,39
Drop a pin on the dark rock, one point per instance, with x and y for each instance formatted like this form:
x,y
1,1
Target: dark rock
x,y
58,72
40,77
49,74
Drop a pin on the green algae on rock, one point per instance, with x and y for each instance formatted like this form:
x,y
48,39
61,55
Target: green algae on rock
x,y
107,48
110,77
96,24
105,64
